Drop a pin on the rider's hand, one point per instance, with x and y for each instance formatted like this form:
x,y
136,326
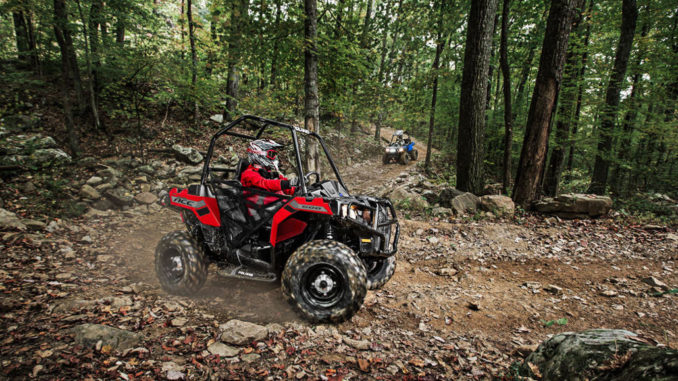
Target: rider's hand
x,y
294,182
289,184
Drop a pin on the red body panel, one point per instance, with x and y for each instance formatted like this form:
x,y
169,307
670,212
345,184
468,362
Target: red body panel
x,y
283,229
206,209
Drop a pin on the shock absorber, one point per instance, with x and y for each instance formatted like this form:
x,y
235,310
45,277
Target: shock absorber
x,y
329,233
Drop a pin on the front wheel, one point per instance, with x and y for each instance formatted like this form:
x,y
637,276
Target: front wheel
x,y
404,158
325,281
180,263
379,271
414,155
385,159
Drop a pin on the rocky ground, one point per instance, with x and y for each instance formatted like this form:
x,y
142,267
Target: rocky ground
x,y
473,292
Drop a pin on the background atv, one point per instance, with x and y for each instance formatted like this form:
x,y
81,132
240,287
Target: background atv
x,y
325,245
400,149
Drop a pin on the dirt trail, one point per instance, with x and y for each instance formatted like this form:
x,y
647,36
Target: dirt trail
x,y
465,296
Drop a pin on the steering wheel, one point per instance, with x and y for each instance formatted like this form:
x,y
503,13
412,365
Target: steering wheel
x,y
307,177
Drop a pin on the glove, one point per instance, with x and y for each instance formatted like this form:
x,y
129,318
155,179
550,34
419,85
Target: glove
x,y
289,184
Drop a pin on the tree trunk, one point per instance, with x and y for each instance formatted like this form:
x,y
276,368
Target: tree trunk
x,y
533,153
580,86
239,23
94,21
194,59
567,100
65,41
92,99
276,45
440,44
508,116
474,96
612,96
619,173
120,31
21,31
311,118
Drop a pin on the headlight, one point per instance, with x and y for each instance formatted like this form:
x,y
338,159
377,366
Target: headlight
x,y
401,149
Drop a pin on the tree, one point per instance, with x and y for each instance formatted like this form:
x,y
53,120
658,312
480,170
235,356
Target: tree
x,y
474,95
612,96
546,88
508,116
238,23
440,44
311,114
69,60
566,106
194,59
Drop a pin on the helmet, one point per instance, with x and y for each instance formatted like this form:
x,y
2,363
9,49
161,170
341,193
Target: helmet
x,y
264,152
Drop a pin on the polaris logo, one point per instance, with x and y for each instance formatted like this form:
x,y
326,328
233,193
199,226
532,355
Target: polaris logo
x,y
189,203
312,208
241,272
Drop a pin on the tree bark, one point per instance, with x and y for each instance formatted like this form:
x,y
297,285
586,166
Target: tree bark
x,y
194,59
276,45
311,117
440,44
567,101
580,86
239,23
619,173
92,99
94,21
508,116
474,96
544,97
21,32
65,41
612,96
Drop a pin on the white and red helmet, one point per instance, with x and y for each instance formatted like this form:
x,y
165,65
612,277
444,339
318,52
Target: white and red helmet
x,y
264,152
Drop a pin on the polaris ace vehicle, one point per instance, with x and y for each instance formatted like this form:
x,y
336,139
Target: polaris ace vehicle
x,y
327,247
400,149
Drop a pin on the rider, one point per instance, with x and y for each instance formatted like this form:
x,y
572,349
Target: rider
x,y
263,170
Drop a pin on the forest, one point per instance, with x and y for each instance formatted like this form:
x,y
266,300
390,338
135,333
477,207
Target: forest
x,y
542,200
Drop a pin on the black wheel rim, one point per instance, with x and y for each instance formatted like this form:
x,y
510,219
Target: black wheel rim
x,y
323,285
173,266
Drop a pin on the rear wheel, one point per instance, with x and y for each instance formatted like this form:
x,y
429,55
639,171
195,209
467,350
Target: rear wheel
x,y
379,271
404,158
180,263
414,155
325,281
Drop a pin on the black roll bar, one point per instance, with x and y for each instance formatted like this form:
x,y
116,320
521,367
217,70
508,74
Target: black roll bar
x,y
265,124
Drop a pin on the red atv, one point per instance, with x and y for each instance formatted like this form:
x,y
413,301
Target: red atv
x,y
325,245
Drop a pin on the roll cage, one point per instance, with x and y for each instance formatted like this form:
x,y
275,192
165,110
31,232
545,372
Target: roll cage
x,y
261,124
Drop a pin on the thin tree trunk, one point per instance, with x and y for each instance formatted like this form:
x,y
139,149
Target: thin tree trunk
x,y
508,116
474,96
239,23
194,59
619,173
94,22
612,96
440,44
120,31
580,88
276,45
311,117
32,44
65,41
547,86
21,32
92,100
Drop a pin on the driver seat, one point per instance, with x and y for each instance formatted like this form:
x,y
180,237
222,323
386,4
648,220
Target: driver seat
x,y
240,168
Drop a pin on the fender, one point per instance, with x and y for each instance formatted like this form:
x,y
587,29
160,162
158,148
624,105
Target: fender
x,y
410,146
282,228
206,209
